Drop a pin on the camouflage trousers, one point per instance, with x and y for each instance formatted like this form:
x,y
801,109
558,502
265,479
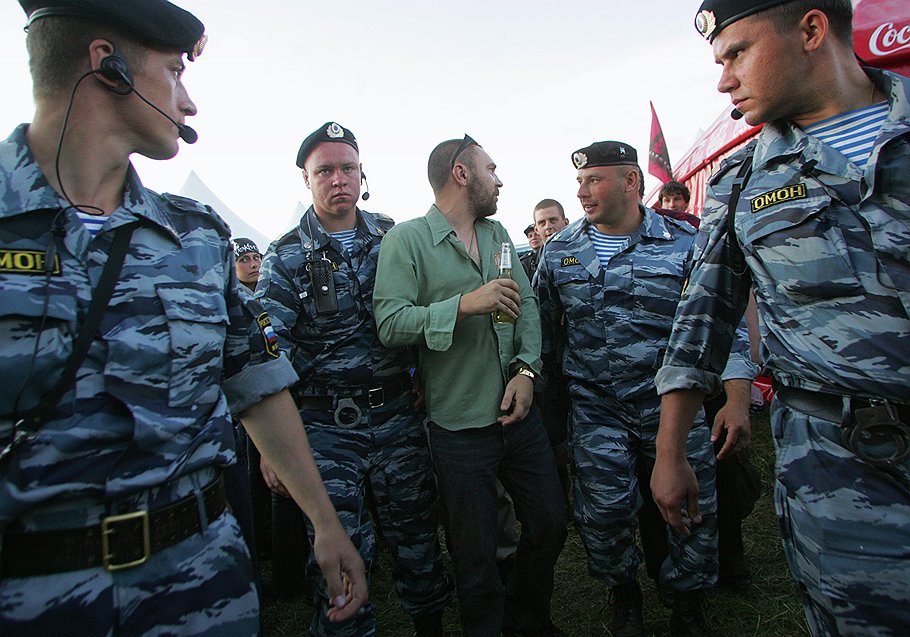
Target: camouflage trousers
x,y
845,526
386,453
201,586
609,438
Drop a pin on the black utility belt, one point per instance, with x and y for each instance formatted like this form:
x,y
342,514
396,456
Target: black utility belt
x,y
877,430
349,403
120,542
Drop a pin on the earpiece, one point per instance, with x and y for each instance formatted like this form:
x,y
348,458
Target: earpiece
x,y
366,190
116,69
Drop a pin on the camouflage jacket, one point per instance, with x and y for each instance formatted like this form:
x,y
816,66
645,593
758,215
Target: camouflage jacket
x,y
177,351
618,319
827,251
336,350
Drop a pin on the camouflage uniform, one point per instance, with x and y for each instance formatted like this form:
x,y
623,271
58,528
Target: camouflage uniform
x,y
830,267
338,356
617,321
149,419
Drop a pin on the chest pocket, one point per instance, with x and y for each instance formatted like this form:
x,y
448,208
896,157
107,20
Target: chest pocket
x,y
576,291
196,316
801,250
656,288
22,311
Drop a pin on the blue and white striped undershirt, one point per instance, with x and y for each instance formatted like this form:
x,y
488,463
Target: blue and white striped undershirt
x,y
852,133
606,245
346,238
92,223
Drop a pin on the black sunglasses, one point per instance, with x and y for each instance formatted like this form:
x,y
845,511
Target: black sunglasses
x,y
467,141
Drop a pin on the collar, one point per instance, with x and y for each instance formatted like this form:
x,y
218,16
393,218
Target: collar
x,y
653,226
440,228
320,239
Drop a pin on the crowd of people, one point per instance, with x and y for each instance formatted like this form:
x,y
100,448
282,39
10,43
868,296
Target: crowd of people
x,y
360,382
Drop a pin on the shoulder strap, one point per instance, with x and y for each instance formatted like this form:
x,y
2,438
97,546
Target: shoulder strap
x,y
742,176
33,420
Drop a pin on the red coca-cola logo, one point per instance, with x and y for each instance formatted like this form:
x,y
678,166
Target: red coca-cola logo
x,y
888,39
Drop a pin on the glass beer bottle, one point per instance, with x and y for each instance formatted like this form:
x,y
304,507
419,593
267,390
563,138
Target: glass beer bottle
x,y
505,272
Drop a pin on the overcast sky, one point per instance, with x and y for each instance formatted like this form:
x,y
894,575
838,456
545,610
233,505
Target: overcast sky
x,y
530,81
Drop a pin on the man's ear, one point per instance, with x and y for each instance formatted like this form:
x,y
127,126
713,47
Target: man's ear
x,y
632,179
98,50
306,178
460,174
814,29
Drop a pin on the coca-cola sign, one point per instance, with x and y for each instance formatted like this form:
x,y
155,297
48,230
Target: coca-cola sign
x,y
888,39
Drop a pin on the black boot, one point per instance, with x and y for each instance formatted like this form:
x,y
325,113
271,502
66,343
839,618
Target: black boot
x,y
627,617
429,625
689,618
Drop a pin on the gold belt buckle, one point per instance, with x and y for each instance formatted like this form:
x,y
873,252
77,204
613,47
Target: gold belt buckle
x,y
107,530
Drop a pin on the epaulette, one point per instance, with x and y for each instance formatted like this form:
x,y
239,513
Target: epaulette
x,y
291,237
191,205
383,221
185,203
682,224
732,161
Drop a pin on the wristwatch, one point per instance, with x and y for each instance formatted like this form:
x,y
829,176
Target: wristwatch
x,y
525,371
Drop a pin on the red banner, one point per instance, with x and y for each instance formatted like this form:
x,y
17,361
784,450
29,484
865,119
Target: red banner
x,y
658,157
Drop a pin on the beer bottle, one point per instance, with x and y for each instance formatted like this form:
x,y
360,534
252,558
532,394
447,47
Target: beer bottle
x,y
505,272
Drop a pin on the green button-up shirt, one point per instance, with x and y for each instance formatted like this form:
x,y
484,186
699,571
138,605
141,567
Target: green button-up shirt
x,y
423,271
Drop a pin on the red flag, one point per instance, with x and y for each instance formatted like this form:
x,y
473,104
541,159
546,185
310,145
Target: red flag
x,y
658,157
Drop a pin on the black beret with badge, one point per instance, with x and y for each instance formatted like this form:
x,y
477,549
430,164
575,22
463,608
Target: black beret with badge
x,y
605,154
715,15
243,246
328,132
154,22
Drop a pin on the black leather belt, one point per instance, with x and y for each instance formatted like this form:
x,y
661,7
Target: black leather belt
x,y
875,429
367,397
119,542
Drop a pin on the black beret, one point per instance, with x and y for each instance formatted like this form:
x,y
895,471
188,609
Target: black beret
x,y
242,246
605,154
156,22
529,229
328,132
715,15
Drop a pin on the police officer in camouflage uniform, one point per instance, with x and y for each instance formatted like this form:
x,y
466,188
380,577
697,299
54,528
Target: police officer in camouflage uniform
x,y
820,231
112,508
354,394
616,275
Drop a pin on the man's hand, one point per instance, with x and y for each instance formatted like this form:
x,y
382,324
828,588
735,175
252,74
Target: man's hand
x,y
672,483
516,400
734,417
343,570
498,294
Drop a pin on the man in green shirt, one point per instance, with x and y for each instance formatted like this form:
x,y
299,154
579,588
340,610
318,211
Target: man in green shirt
x,y
437,287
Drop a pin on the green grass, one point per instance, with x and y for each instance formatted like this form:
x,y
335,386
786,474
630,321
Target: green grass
x,y
772,608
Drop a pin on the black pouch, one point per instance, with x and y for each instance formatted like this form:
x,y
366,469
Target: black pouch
x,y
323,287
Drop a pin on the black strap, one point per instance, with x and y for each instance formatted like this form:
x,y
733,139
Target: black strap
x,y
33,420
742,176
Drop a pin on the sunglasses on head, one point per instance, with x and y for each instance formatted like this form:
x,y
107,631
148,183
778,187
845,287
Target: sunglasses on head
x,y
467,141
